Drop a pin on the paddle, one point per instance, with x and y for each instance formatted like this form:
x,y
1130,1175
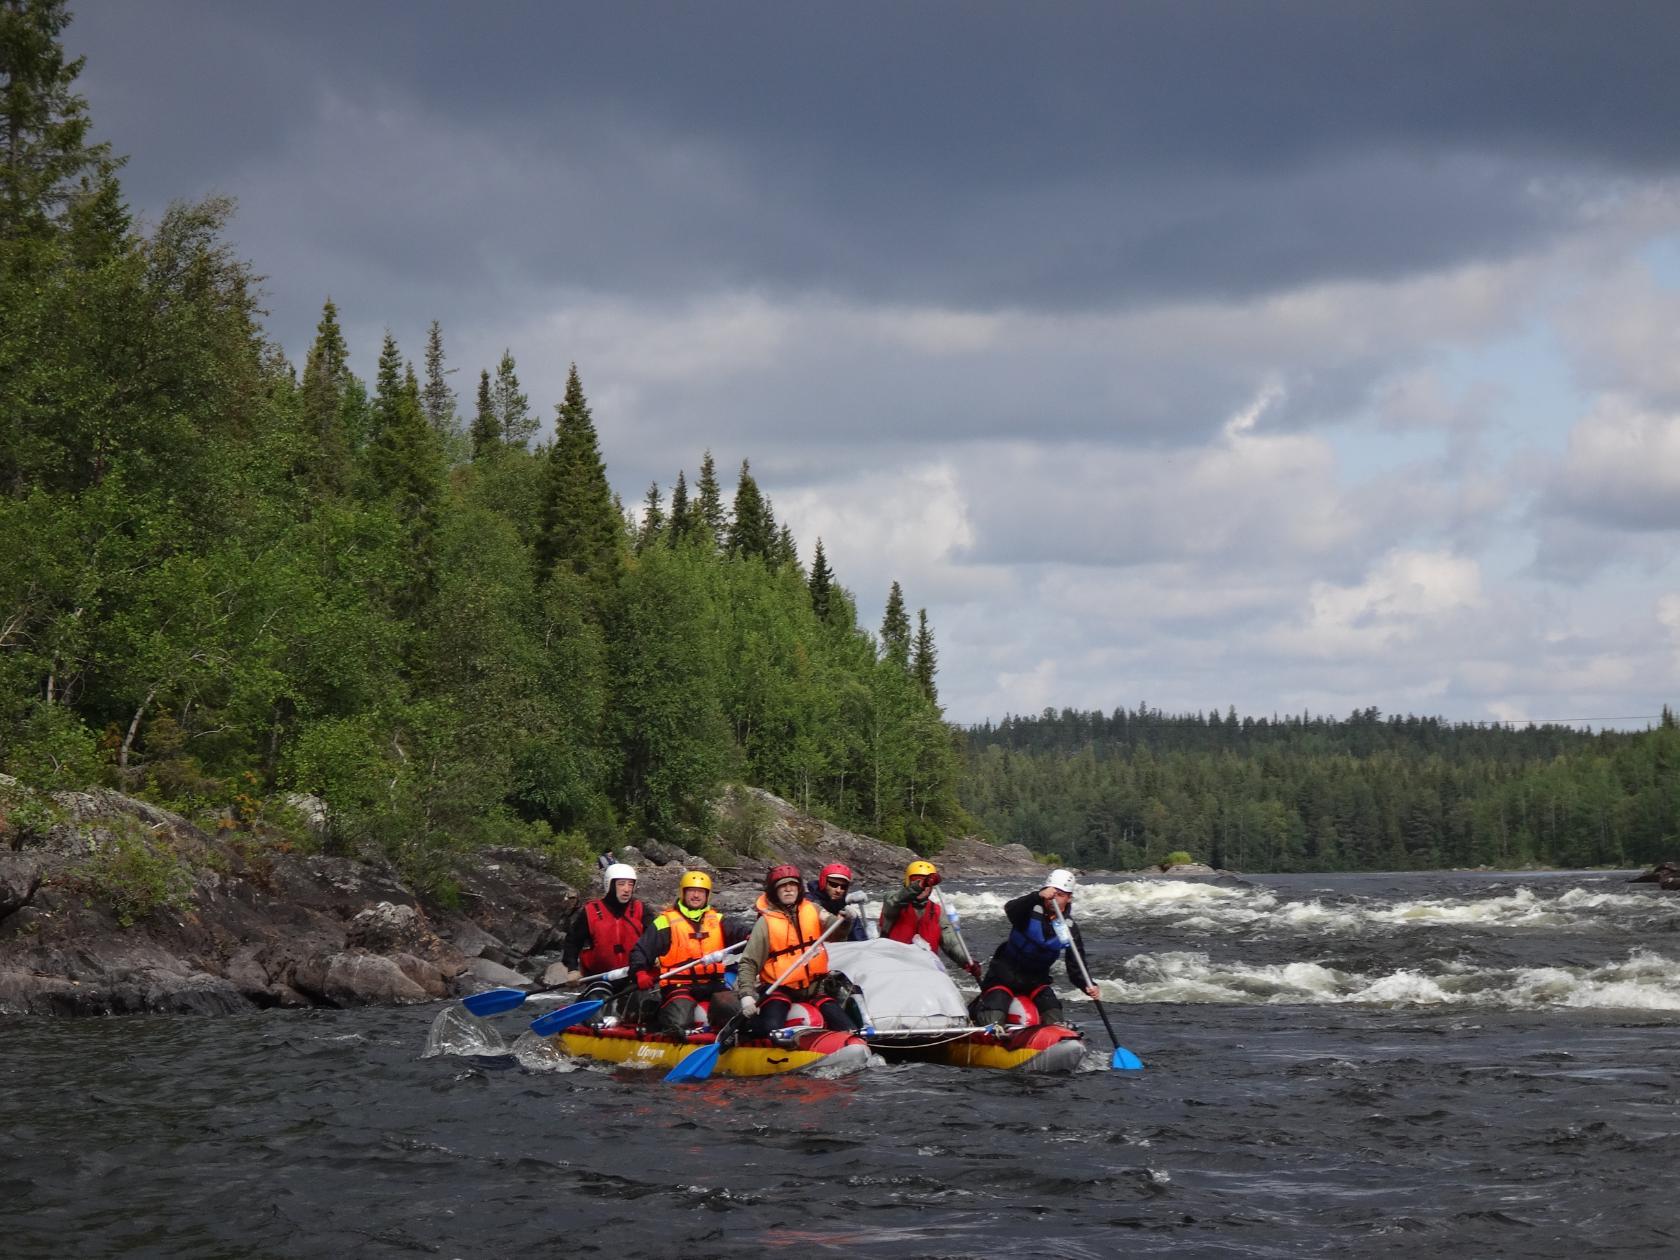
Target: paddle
x,y
566,1016
495,1001
956,926
698,1066
1122,1059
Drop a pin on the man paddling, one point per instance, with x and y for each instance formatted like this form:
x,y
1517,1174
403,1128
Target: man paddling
x,y
789,924
1021,966
685,935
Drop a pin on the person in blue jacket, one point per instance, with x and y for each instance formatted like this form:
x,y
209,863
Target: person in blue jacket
x,y
1021,965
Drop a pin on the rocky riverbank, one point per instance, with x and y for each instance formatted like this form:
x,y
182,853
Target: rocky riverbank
x,y
111,905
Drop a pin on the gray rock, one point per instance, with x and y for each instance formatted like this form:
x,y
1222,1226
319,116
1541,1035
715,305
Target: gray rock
x,y
473,941
423,974
20,879
386,927
495,975
356,979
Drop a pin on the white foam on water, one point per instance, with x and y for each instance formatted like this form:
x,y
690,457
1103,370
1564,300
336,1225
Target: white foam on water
x,y
1643,981
456,1032
1230,909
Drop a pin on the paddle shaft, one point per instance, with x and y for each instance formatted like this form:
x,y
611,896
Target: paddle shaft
x,y
957,928
1097,1002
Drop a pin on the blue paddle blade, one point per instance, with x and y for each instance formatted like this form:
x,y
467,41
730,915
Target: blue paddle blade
x,y
493,1001
697,1066
565,1017
1123,1060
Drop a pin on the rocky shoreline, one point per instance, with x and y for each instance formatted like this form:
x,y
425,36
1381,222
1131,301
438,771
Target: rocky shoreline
x,y
255,926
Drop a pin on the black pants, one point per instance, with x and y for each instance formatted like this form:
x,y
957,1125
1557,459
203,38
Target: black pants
x,y
773,1014
997,991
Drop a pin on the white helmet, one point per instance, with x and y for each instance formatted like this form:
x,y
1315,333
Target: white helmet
x,y
618,870
1061,879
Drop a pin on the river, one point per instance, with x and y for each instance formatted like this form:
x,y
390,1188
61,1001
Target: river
x,y
1438,1064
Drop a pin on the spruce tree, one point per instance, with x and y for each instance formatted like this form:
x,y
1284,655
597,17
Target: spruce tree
x,y
652,524
582,520
46,162
513,408
749,533
820,582
925,659
486,429
711,500
785,552
404,460
895,630
682,522
438,400
325,459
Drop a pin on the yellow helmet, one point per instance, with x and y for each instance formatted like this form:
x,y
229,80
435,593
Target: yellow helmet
x,y
695,879
920,869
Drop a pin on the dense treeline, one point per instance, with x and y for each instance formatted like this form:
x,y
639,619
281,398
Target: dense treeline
x,y
1124,789
223,578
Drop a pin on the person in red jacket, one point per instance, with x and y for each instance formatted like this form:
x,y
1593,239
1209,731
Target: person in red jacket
x,y
602,934
913,913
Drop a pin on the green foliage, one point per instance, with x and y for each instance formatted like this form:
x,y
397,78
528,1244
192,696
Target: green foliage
x,y
134,873
224,579
1178,857
744,823
1303,794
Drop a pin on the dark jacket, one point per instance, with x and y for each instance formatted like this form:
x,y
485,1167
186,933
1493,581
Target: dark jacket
x,y
1021,963
834,905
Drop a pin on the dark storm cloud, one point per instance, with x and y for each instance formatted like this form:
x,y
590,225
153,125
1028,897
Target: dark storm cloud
x,y
974,154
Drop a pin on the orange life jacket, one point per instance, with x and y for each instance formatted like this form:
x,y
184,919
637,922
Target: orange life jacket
x,y
789,938
690,940
611,936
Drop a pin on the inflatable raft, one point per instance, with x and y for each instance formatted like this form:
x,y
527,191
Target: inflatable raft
x,y
915,1013
796,1051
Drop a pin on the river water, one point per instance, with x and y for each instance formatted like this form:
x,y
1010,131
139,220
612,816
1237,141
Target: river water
x,y
1467,1065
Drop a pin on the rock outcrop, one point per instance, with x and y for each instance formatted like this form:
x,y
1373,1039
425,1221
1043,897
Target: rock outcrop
x,y
228,923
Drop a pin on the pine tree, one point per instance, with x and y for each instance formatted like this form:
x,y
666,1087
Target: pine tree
x,y
895,630
326,378
47,165
486,429
438,400
925,659
513,408
652,525
682,522
711,500
750,532
820,582
582,519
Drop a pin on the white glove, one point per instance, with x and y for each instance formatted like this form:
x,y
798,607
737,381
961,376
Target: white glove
x,y
850,912
749,1006
856,897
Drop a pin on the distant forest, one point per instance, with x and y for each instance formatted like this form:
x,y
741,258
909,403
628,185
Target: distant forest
x,y
226,579
1124,789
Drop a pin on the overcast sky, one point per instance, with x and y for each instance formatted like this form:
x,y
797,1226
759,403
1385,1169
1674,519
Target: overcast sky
x,y
1290,356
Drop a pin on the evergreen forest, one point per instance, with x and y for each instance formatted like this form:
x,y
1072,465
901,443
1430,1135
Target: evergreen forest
x,y
227,579
1125,789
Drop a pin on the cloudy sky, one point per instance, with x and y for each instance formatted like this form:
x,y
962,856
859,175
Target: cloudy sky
x,y
1284,356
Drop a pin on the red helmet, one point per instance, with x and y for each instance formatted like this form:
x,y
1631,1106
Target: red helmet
x,y
779,875
835,870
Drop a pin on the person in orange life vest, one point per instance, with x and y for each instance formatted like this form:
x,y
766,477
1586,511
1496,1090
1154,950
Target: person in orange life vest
x,y
829,890
911,914
788,923
602,934
1021,965
682,933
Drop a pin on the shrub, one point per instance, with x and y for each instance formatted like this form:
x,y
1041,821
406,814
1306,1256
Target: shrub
x,y
1178,857
744,823
133,874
